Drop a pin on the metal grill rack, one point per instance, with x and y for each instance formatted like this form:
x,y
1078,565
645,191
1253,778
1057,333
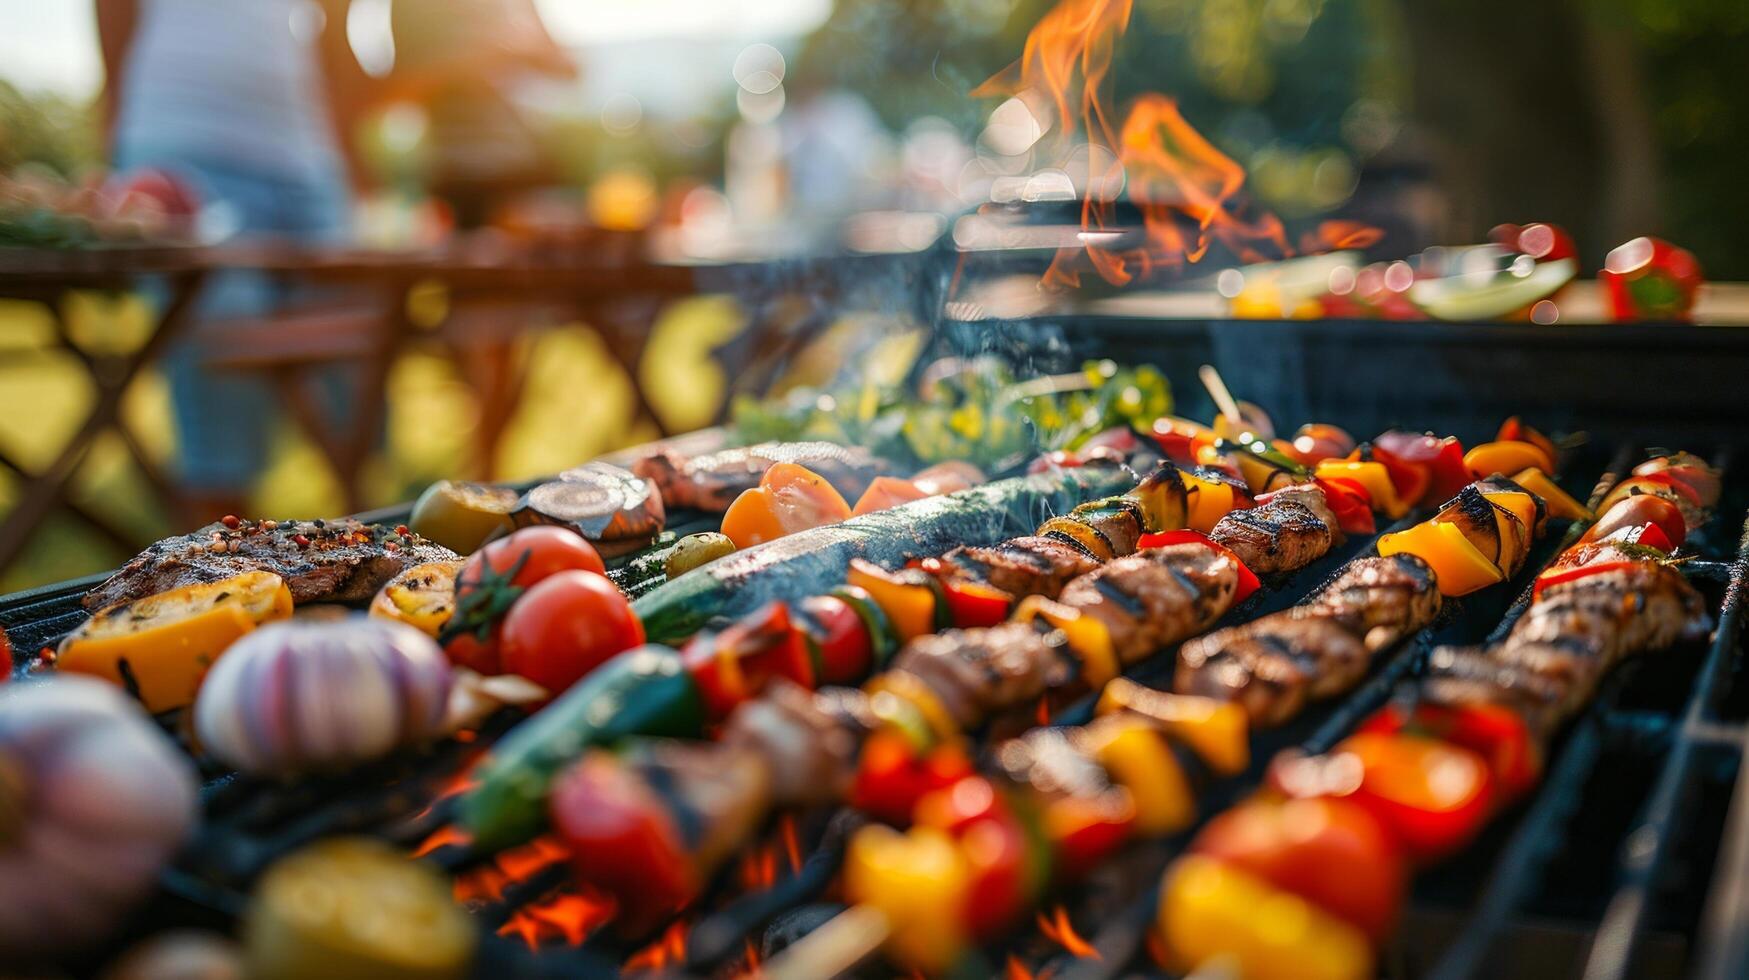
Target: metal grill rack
x,y
1604,872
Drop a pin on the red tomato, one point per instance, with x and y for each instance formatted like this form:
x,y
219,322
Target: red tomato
x,y
996,859
1637,510
1331,852
548,549
839,635
1317,441
486,588
1651,279
565,627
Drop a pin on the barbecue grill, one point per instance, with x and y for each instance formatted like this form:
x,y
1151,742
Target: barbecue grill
x,y
1631,859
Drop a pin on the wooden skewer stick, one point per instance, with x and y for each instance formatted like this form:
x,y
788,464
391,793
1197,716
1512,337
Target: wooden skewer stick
x,y
1211,379
836,947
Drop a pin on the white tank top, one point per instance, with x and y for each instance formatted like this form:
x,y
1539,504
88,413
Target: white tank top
x,y
227,82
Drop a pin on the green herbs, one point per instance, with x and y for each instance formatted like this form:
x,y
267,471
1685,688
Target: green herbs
x,y
979,413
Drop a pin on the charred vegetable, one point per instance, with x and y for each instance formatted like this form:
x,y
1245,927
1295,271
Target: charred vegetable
x,y
617,511
462,516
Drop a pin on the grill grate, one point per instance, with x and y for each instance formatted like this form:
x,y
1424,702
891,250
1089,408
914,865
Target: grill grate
x,y
1676,719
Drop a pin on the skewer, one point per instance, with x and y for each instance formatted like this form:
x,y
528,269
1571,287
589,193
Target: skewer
x,y
845,940
1217,389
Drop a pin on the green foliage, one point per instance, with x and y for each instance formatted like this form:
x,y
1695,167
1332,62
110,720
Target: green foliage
x,y
46,130
982,415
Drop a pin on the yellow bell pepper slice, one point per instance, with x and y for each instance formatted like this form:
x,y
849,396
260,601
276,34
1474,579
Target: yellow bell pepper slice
x,y
422,596
1521,505
1210,500
918,880
1373,476
1165,499
1459,567
1085,535
910,607
1135,753
1506,456
1217,731
1087,636
1558,501
911,691
1209,909
160,647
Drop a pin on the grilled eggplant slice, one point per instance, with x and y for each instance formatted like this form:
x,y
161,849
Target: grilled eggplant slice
x,y
617,511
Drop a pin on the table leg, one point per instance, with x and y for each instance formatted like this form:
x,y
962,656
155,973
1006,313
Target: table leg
x,y
43,492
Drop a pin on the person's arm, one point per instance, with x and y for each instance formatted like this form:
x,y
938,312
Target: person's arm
x,y
116,21
351,93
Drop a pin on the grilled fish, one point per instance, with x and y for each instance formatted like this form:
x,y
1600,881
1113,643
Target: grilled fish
x,y
321,561
712,482
1291,531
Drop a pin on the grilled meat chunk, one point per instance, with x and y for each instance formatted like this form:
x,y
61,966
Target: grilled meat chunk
x,y
1284,534
321,561
1653,603
810,739
712,482
1023,566
717,794
1155,598
1273,666
976,673
1382,600
1458,676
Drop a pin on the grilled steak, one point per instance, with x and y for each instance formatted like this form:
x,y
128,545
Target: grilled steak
x,y
1024,566
1156,598
1286,533
712,482
321,561
807,738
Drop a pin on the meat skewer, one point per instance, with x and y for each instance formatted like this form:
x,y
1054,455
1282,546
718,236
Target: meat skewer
x,y
1423,776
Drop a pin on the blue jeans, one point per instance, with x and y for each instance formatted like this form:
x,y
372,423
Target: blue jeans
x,y
223,423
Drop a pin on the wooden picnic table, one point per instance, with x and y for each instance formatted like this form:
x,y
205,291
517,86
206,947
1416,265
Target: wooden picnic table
x,y
618,289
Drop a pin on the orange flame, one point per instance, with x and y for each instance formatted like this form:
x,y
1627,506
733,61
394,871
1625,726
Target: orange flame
x,y
759,868
443,836
1061,931
1186,189
487,883
792,845
670,948
567,916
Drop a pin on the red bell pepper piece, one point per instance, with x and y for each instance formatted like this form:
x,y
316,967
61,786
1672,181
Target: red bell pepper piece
x,y
840,639
1410,479
736,664
1350,502
999,858
1651,279
1432,795
1248,582
1085,831
1646,535
969,604
1560,575
1443,458
622,840
1496,733
892,775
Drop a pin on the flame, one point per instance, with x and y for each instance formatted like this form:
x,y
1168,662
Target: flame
x,y
1061,931
792,845
759,868
1017,970
1186,189
568,916
670,948
750,963
487,883
457,784
444,836
1043,714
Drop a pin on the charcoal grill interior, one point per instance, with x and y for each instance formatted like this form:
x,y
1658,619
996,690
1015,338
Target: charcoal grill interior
x,y
1606,871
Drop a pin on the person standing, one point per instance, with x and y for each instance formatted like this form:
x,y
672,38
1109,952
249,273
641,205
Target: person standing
x,y
249,101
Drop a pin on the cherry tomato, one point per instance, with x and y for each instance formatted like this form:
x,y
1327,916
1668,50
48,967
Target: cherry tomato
x,y
1637,510
1317,441
494,578
548,549
566,626
1332,852
1651,279
842,640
